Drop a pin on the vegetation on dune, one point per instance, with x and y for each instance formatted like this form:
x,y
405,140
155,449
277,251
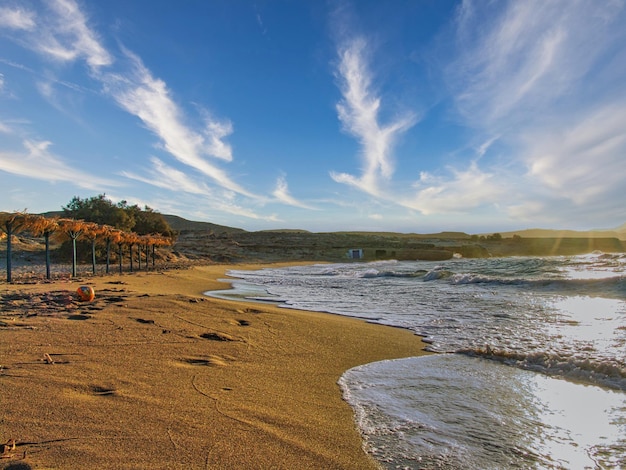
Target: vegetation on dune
x,y
89,225
122,216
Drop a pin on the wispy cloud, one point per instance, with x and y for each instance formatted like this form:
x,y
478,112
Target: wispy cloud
x,y
4,128
149,99
17,18
464,190
281,193
521,58
64,35
70,38
546,78
60,35
584,160
359,114
167,177
36,161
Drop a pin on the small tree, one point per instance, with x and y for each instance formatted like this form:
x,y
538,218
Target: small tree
x,y
109,236
12,223
131,238
120,239
159,240
73,229
45,226
92,232
144,241
99,209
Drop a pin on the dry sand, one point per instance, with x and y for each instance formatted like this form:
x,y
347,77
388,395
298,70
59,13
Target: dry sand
x,y
153,374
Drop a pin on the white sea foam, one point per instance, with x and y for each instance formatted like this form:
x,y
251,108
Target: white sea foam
x,y
454,412
564,317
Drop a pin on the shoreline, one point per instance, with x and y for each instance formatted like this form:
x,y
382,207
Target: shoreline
x,y
153,373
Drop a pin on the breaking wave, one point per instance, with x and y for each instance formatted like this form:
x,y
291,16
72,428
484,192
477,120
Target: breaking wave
x,y
610,373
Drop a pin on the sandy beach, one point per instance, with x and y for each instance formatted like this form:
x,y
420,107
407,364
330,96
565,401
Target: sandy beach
x,y
153,374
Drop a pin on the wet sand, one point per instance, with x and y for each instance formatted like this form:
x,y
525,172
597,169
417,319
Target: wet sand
x,y
153,374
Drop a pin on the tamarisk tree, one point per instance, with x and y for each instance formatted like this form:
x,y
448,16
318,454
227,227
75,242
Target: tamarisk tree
x,y
158,240
73,229
131,239
109,235
12,223
45,226
92,232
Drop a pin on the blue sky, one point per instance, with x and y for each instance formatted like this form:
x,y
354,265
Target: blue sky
x,y
402,115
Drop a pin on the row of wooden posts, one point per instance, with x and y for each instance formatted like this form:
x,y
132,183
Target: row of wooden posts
x,y
12,223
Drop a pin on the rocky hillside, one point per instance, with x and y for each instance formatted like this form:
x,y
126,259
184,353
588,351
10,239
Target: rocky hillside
x,y
206,242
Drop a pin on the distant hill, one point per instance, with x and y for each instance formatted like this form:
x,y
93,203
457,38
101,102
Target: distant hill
x,y
179,224
284,230
440,235
619,232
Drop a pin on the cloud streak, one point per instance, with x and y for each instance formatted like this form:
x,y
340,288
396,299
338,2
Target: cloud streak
x,y
65,36
543,76
36,161
533,81
516,59
16,18
464,191
61,35
359,114
148,98
166,177
281,193
585,160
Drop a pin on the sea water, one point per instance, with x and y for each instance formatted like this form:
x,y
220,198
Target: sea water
x,y
532,370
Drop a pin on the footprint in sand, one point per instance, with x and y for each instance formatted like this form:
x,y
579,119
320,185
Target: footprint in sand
x,y
217,337
102,391
78,317
250,310
203,361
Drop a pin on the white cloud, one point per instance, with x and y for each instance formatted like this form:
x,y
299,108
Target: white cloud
x,y
359,114
583,161
17,18
166,177
538,75
61,34
149,99
67,37
39,163
520,58
281,193
464,191
214,134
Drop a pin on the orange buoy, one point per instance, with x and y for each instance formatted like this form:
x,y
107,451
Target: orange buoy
x,y
85,293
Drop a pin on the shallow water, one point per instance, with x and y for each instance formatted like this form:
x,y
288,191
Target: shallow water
x,y
506,320
456,412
